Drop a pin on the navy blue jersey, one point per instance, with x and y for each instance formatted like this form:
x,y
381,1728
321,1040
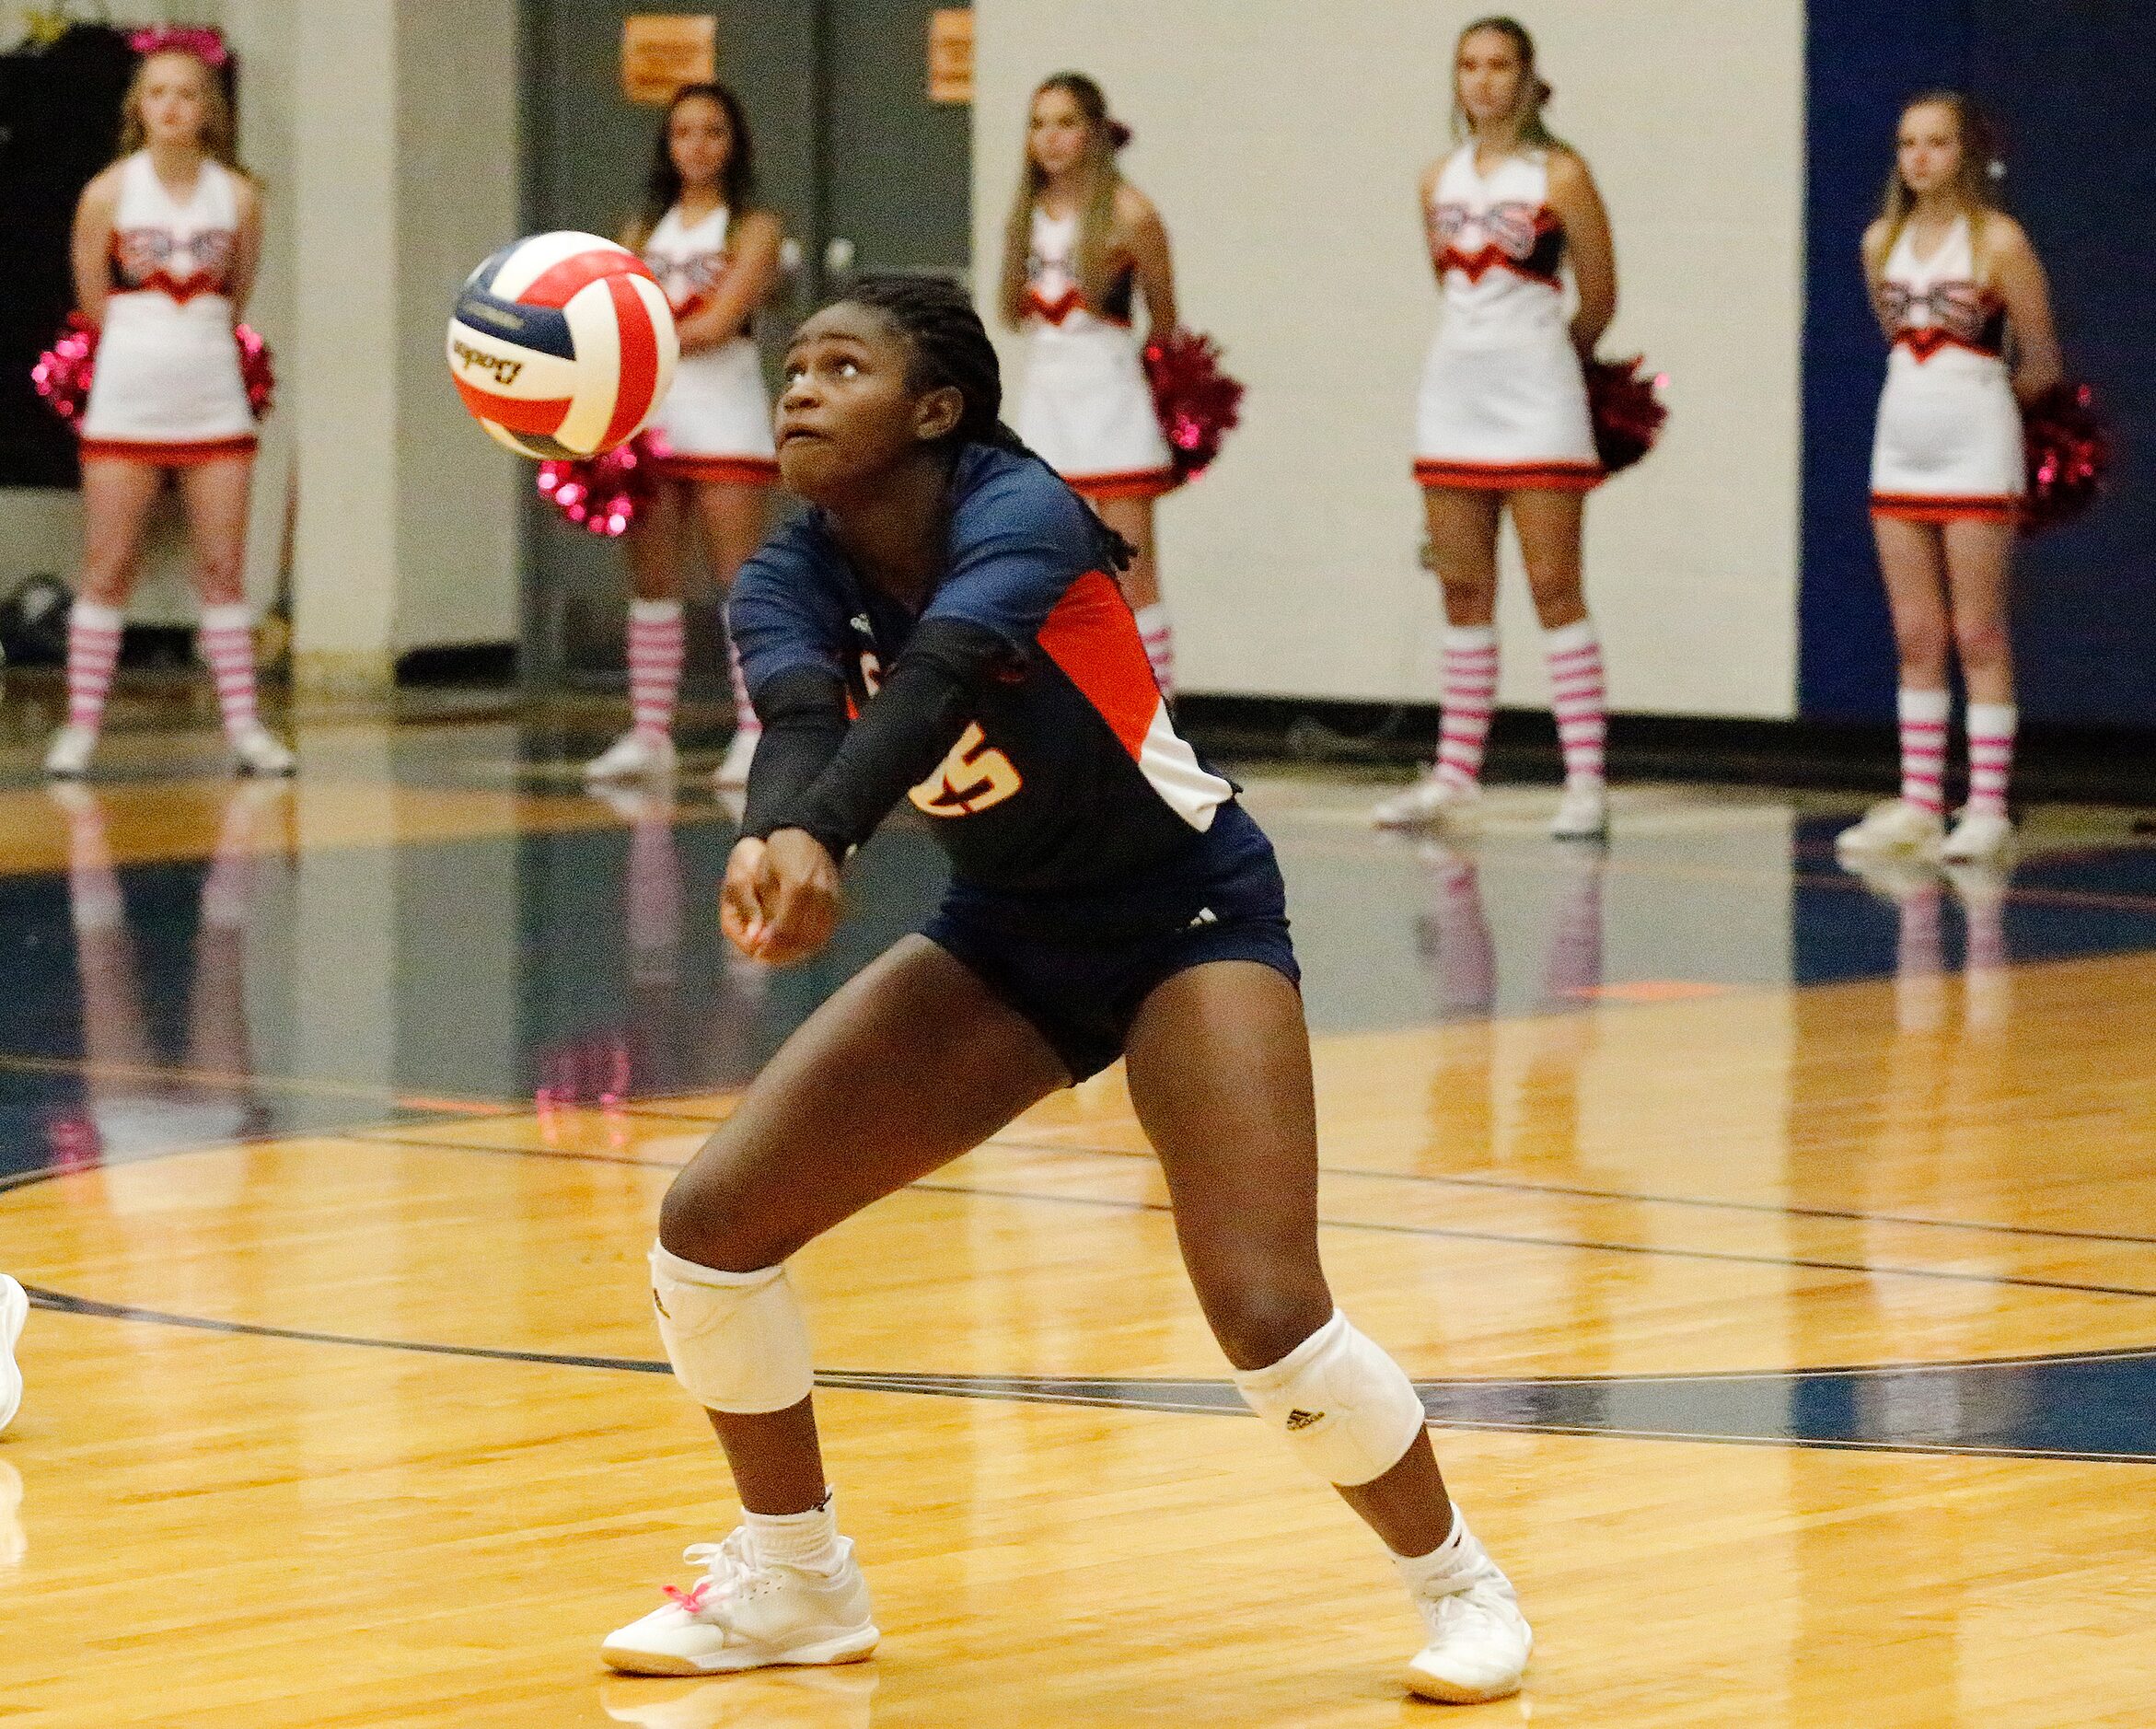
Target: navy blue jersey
x,y
1071,774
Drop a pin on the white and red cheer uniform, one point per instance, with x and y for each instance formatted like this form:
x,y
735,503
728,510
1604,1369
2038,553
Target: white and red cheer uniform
x,y
1084,406
167,388
1949,440
715,422
1503,402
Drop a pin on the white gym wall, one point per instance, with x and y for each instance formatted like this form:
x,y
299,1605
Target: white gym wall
x,y
1282,141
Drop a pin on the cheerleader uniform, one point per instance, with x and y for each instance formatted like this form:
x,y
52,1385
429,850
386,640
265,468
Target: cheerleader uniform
x,y
715,424
167,388
1949,439
1085,406
1503,404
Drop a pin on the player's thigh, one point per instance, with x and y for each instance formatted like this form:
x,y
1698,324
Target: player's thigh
x,y
911,1064
1219,1068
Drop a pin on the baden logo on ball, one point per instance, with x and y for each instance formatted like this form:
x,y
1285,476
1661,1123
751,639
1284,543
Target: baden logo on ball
x,y
561,345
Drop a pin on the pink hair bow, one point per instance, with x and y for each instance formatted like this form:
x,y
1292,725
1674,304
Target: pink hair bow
x,y
205,45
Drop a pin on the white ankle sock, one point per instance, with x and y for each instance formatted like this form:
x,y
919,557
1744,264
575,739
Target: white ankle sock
x,y
806,1540
1454,1558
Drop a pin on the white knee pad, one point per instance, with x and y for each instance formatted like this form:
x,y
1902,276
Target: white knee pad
x,y
738,1340
1348,1411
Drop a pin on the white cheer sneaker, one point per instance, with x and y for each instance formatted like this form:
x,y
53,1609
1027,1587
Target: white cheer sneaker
x,y
731,774
635,756
1978,835
68,755
1434,802
1478,1640
1582,814
14,1309
1893,825
748,1613
257,751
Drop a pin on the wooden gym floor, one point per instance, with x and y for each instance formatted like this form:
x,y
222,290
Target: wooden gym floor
x,y
1776,1248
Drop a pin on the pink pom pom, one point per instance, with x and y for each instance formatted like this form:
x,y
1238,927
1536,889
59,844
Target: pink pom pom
x,y
63,373
1627,410
256,369
2068,450
1197,403
600,494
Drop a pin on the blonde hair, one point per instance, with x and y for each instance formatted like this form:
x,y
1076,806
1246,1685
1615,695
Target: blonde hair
x,y
1535,89
1098,180
1974,187
216,138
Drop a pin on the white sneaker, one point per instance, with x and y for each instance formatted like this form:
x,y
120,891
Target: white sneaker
x,y
1478,1640
1434,802
68,755
1977,834
14,1309
731,774
635,756
1582,814
1893,825
748,1613
256,753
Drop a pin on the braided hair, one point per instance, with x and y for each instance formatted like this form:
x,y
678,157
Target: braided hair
x,y
949,349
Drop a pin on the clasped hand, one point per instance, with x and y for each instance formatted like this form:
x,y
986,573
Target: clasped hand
x,y
780,902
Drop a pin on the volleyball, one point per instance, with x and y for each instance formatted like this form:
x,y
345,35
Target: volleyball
x,y
561,345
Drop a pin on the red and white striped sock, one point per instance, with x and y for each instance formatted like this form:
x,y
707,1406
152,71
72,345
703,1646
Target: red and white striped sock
x,y
93,653
227,640
1159,637
1578,700
745,720
1469,697
1923,732
1991,731
655,647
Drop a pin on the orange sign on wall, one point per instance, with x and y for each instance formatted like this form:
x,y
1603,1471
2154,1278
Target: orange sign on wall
x,y
663,51
950,54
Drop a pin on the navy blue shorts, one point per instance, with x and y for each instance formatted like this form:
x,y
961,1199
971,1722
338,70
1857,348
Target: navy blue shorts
x,y
1080,965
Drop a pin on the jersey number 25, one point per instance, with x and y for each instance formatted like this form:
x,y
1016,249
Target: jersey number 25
x,y
974,777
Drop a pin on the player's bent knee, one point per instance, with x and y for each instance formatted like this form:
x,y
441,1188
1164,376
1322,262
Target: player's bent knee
x,y
739,1341
1347,1410
1259,1325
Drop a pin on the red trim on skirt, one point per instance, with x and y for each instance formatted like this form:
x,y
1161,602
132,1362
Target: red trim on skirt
x,y
734,471
1132,483
1435,474
1946,506
184,454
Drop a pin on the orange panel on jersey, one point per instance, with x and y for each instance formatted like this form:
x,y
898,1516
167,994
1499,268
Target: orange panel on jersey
x,y
1092,636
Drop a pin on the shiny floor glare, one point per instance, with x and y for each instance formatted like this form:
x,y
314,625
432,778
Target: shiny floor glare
x,y
1770,1245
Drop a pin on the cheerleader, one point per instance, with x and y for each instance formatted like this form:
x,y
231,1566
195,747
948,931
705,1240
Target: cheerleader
x,y
716,253
1082,243
165,249
1952,278
941,626
1502,422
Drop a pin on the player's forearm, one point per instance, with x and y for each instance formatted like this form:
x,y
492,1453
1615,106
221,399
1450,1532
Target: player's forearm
x,y
900,738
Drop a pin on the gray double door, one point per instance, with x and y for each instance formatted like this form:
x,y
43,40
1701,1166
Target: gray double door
x,y
864,171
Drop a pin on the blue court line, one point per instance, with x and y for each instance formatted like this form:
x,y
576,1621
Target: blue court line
x,y
2095,1408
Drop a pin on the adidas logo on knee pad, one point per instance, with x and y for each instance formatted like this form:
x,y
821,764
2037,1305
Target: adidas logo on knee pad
x,y
1298,1419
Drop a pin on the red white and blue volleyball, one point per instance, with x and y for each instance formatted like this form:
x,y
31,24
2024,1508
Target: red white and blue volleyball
x,y
561,345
